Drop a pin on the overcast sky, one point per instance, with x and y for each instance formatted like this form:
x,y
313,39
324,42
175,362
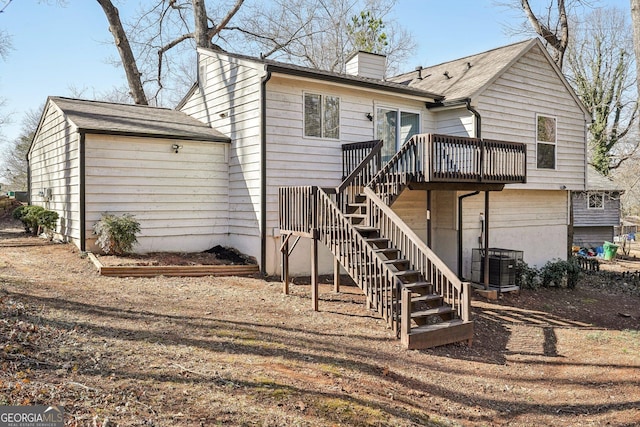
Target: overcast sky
x,y
57,48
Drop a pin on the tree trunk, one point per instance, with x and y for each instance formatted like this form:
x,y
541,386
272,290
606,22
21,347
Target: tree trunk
x,y
201,33
126,54
635,22
558,39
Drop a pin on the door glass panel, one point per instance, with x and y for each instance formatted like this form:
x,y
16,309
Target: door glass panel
x,y
409,126
386,130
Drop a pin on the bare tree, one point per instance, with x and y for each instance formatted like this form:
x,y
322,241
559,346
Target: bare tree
x,y
600,68
320,33
15,159
548,19
635,22
162,27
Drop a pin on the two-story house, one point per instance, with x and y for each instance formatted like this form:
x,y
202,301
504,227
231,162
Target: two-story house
x,y
399,178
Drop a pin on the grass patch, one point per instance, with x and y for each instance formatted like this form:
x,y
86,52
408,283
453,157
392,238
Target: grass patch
x,y
599,337
350,412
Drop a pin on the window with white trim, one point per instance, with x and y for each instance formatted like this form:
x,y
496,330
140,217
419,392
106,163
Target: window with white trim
x,y
546,138
595,201
321,116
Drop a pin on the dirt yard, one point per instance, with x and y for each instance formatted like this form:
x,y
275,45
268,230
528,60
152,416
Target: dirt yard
x,y
236,351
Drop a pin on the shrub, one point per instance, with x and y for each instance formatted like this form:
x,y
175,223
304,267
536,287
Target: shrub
x,y
19,213
116,235
527,277
553,273
47,221
36,219
556,272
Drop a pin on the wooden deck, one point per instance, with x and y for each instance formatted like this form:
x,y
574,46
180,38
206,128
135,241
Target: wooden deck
x,y
404,281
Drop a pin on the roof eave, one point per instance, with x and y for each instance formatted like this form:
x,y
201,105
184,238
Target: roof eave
x,y
95,131
351,82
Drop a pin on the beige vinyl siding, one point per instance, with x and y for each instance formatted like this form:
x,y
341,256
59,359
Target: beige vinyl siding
x,y
456,122
228,99
528,220
293,159
180,199
509,106
54,164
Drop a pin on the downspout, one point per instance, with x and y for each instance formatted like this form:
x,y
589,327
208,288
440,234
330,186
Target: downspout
x,y
83,228
28,181
263,172
460,198
478,118
478,133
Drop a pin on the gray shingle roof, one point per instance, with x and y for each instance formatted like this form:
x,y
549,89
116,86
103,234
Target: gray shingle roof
x,y
105,117
465,77
314,73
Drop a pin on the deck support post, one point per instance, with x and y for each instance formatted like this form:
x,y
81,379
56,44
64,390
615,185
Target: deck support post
x,y
485,280
284,274
429,235
314,271
336,275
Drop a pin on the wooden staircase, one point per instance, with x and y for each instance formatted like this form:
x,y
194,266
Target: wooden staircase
x,y
424,302
432,322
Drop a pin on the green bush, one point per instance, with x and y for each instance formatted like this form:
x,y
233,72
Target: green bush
x,y
527,277
36,219
116,235
553,273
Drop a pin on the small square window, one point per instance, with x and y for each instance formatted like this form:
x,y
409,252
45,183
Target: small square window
x,y
595,201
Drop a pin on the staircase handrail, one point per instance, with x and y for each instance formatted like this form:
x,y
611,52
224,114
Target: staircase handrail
x,y
421,257
407,163
368,269
354,153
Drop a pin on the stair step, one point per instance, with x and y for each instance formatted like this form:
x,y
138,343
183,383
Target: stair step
x,y
407,274
446,332
426,298
417,286
353,207
436,326
399,264
355,218
389,253
437,311
366,230
378,242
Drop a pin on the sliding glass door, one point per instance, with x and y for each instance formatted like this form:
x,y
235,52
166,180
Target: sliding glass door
x,y
395,127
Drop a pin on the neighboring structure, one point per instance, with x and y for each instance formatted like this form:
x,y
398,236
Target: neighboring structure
x,y
271,113
167,169
596,211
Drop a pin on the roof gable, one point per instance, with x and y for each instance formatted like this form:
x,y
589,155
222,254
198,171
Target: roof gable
x,y
465,77
130,119
469,77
